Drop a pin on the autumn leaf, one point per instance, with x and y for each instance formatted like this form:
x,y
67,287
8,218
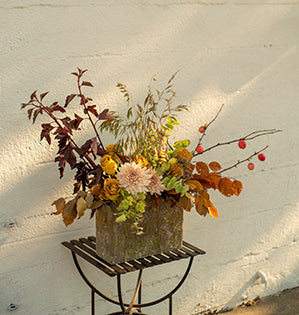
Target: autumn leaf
x,y
89,200
59,204
237,186
69,98
200,208
194,185
225,186
213,211
96,189
215,166
69,213
87,83
96,204
105,115
92,109
202,168
46,129
81,207
185,203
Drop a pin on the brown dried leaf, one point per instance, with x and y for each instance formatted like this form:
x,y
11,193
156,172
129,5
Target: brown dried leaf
x,y
105,115
200,208
43,95
225,186
69,213
96,204
87,83
36,113
215,166
30,112
237,186
194,185
202,168
59,204
81,207
69,98
185,203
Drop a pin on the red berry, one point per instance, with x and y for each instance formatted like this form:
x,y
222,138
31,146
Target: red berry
x,y
242,144
250,166
199,149
262,157
202,129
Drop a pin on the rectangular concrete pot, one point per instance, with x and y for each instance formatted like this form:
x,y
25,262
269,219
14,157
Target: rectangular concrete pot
x,y
118,242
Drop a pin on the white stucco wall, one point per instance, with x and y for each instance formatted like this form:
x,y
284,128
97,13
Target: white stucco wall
x,y
238,52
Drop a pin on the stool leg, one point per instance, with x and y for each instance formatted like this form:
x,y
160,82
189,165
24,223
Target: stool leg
x,y
170,305
92,303
120,295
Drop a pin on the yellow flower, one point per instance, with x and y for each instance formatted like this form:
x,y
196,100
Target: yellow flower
x,y
111,188
109,166
141,160
111,150
184,155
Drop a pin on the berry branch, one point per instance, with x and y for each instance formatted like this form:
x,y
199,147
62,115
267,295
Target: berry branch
x,y
242,161
205,127
250,136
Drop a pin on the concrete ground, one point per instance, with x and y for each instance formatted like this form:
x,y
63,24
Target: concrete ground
x,y
283,303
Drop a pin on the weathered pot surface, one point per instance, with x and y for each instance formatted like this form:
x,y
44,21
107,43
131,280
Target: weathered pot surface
x,y
118,242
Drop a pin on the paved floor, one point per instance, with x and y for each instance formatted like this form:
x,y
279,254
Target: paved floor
x,y
284,303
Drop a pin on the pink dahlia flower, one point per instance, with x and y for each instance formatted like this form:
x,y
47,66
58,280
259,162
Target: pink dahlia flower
x,y
155,186
133,178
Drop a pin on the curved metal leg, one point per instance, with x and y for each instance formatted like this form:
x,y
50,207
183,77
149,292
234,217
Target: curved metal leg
x,y
139,305
123,310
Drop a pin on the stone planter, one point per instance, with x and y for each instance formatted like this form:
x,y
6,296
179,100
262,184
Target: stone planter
x,y
117,242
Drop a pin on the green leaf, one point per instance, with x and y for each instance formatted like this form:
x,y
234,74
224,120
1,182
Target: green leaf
x,y
121,218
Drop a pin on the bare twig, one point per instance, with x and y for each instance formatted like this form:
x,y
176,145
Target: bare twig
x,y
207,125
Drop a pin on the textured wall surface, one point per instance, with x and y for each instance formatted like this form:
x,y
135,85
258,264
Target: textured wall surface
x,y
238,52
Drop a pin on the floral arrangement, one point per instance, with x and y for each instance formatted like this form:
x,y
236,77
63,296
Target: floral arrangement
x,y
143,163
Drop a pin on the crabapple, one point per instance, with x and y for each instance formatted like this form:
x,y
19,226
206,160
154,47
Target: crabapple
x,y
250,166
199,149
202,129
262,157
242,144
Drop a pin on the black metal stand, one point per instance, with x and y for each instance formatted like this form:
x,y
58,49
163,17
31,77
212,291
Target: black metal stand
x,y
86,249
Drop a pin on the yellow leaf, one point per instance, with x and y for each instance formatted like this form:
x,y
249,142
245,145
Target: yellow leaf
x,y
81,207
